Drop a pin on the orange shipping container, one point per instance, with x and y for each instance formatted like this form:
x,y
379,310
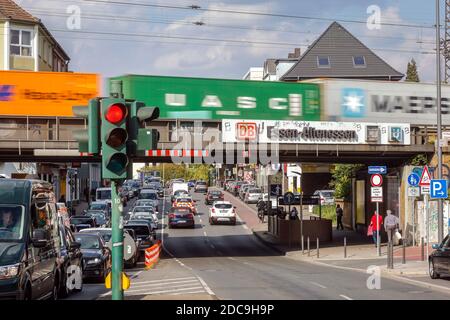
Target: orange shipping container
x,y
25,93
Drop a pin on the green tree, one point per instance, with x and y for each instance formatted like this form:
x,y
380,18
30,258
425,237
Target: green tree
x,y
342,175
419,160
411,73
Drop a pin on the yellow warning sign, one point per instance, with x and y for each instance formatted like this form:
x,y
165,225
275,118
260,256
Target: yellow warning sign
x,y
125,281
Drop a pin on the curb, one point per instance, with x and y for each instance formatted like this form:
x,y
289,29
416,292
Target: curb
x,y
268,244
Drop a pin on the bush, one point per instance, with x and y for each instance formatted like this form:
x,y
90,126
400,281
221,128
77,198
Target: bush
x,y
328,212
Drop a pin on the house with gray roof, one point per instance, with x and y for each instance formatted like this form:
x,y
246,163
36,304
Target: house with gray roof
x,y
339,54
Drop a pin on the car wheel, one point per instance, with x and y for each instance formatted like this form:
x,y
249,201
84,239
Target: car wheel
x,y
63,289
431,270
55,289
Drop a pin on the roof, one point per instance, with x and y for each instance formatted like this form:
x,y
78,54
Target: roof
x,y
10,10
270,66
340,46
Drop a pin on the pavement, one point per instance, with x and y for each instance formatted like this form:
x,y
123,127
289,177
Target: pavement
x,y
361,253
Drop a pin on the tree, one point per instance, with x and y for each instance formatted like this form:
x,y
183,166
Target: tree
x,y
411,73
342,175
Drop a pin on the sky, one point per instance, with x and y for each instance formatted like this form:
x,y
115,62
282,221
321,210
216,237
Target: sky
x,y
114,39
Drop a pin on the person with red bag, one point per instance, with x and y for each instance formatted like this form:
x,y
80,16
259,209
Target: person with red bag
x,y
374,226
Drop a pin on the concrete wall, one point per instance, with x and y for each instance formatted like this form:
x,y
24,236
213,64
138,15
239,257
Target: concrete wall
x,y
288,232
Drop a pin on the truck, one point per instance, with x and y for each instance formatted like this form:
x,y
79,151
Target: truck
x,y
179,186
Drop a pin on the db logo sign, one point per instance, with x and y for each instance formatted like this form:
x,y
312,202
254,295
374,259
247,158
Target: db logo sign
x,y
246,131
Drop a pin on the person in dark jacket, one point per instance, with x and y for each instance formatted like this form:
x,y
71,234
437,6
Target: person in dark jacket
x,y
293,215
339,216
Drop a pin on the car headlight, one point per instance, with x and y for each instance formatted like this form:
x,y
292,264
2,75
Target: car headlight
x,y
10,271
94,261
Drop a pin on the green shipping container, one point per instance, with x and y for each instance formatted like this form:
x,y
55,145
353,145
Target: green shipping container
x,y
200,98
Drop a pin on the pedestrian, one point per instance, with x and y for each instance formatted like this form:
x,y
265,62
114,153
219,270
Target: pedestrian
x,y
62,199
391,223
339,215
86,194
293,214
375,226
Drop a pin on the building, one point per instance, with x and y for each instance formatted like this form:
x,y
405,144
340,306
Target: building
x,y
254,74
26,44
339,54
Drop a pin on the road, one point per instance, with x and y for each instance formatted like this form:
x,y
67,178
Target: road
x,y
228,263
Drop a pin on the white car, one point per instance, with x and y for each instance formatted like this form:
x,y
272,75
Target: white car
x,y
222,212
145,209
253,195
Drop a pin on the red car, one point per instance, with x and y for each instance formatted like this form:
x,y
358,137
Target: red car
x,y
212,196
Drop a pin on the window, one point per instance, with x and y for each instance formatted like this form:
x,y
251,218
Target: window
x,y
359,61
323,62
173,131
21,43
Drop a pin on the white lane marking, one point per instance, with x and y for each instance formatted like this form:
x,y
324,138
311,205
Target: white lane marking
x,y
164,280
231,258
318,285
245,226
205,286
105,294
164,286
136,274
200,220
163,283
163,291
204,232
345,297
178,293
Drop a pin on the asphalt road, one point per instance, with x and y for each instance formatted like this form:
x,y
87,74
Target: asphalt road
x,y
228,262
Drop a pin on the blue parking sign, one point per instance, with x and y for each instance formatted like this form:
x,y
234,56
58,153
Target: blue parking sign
x,y
439,189
413,180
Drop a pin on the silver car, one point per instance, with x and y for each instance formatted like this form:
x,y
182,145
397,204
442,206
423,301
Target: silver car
x,y
253,195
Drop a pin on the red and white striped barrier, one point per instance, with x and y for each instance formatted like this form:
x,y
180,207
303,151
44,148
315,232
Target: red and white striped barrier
x,y
177,153
152,255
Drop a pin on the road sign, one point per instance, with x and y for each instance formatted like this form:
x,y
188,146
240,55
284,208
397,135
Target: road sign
x,y
377,169
125,281
413,180
376,180
425,179
425,190
376,194
288,198
413,191
439,189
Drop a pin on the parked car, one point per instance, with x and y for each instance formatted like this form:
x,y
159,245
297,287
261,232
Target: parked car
x,y
70,262
222,212
99,218
439,259
96,255
82,222
253,195
213,195
236,186
243,189
201,186
143,233
28,240
181,217
226,184
326,196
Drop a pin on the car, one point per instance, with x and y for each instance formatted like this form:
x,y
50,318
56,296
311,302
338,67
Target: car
x,y
185,201
179,193
150,194
213,195
236,186
227,183
82,222
222,212
439,259
70,260
201,186
101,205
326,196
96,255
253,195
191,183
143,202
244,189
147,210
144,233
181,217
99,217
145,216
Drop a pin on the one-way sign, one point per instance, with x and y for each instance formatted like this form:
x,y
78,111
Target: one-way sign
x,y
377,169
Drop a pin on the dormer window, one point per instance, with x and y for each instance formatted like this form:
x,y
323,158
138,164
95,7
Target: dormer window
x,y
359,61
323,62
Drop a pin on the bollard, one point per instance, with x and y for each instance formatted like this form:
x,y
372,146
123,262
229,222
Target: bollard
x,y
317,246
303,245
404,253
345,247
309,251
422,248
388,255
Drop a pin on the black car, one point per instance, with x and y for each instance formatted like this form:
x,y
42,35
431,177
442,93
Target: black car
x,y
82,222
181,217
213,195
143,232
70,263
96,255
439,259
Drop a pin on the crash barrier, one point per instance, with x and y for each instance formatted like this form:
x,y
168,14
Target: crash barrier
x,y
152,255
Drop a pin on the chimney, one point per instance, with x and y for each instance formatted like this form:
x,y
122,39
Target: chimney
x,y
297,53
291,56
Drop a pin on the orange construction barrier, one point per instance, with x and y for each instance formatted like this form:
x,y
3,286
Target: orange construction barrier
x,y
152,255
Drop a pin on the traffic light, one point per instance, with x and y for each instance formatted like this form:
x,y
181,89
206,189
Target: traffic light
x,y
114,138
142,138
88,139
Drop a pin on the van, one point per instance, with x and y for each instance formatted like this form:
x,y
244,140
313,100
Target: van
x,y
103,194
29,240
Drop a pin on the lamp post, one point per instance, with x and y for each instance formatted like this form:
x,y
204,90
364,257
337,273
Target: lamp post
x,y
439,117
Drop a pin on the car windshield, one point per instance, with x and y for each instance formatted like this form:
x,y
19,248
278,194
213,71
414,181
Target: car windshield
x,y
179,192
11,222
88,241
254,190
104,194
215,193
201,183
327,194
105,234
80,220
142,209
223,206
139,230
143,216
148,195
97,206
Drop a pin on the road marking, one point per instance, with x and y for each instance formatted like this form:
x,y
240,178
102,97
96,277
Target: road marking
x,y
205,286
204,232
159,282
345,297
318,285
166,286
163,291
178,293
200,220
245,226
231,258
136,274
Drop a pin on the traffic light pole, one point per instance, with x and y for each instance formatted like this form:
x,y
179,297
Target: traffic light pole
x,y
117,244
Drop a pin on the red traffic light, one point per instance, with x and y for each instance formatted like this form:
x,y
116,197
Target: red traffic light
x,y
116,113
